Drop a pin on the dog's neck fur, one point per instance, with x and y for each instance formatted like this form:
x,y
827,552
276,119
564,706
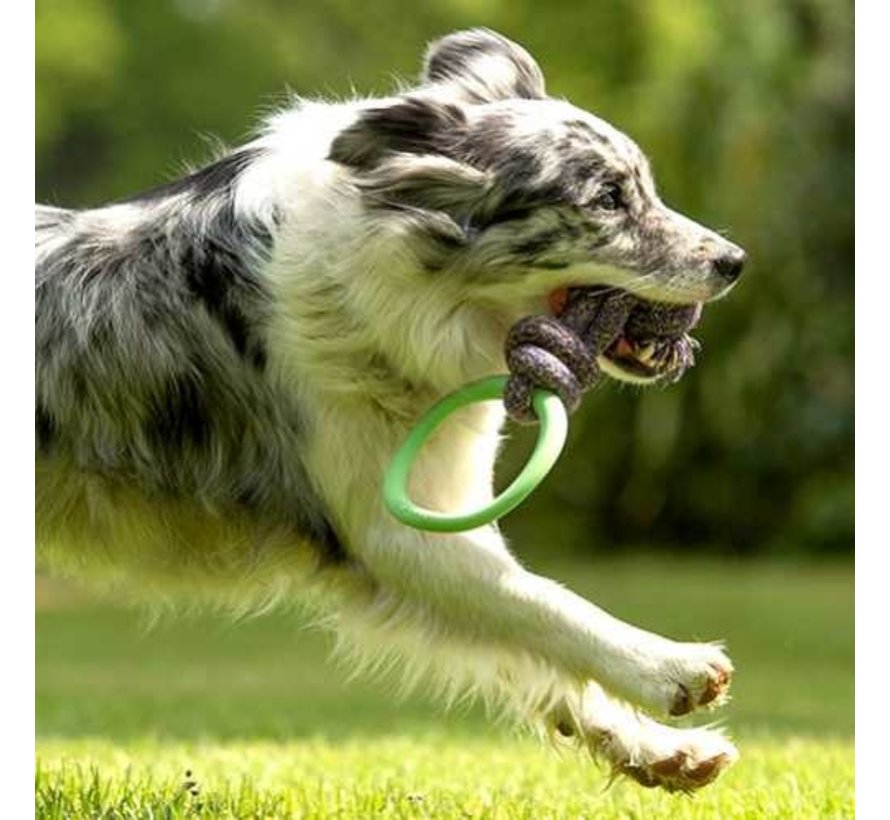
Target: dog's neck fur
x,y
358,314
374,338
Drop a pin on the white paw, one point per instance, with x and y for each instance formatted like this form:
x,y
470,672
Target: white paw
x,y
676,678
700,676
638,747
692,759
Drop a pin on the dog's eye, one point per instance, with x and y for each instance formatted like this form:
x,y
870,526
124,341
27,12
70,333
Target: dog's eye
x,y
609,197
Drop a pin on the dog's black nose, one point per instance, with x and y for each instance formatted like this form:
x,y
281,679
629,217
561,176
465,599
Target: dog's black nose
x,y
729,265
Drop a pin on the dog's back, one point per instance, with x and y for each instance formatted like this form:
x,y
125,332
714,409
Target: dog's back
x,y
164,450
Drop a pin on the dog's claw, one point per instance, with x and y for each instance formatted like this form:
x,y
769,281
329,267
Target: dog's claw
x,y
682,705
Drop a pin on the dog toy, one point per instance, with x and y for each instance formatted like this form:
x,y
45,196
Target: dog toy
x,y
552,362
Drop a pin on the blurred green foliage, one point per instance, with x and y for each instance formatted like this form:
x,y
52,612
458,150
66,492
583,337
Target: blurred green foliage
x,y
746,111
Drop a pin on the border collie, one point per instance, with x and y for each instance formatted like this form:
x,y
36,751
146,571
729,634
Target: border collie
x,y
226,364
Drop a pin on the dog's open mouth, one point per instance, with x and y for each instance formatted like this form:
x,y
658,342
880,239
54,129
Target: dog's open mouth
x,y
652,358
653,343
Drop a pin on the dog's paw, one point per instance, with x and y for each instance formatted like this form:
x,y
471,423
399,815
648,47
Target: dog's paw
x,y
700,676
636,746
697,758
675,679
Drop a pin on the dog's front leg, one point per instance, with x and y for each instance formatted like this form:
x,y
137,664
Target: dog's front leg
x,y
470,583
467,588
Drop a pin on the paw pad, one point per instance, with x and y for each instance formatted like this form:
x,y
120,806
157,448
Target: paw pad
x,y
716,687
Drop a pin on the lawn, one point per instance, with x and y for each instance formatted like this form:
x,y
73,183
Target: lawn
x,y
265,727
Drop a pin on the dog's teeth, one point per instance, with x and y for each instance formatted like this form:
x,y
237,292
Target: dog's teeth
x,y
646,352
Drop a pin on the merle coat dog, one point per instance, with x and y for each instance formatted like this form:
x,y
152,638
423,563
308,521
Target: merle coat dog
x,y
225,365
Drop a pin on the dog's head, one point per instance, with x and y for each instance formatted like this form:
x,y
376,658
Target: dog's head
x,y
516,194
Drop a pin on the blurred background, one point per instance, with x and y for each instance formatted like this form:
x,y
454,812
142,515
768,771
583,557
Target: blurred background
x,y
719,507
746,112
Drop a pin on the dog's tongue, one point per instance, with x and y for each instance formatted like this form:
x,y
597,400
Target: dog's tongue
x,y
557,300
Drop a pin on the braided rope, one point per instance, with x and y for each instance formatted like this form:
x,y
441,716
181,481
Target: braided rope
x,y
560,353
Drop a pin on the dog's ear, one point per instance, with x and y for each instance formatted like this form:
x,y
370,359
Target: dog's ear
x,y
433,184
410,126
484,67
406,156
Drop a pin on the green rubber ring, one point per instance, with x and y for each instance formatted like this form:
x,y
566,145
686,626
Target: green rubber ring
x,y
551,437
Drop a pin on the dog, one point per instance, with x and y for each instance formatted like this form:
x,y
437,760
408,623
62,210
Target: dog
x,y
225,365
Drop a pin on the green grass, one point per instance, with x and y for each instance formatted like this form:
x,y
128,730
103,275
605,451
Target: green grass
x,y
269,729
